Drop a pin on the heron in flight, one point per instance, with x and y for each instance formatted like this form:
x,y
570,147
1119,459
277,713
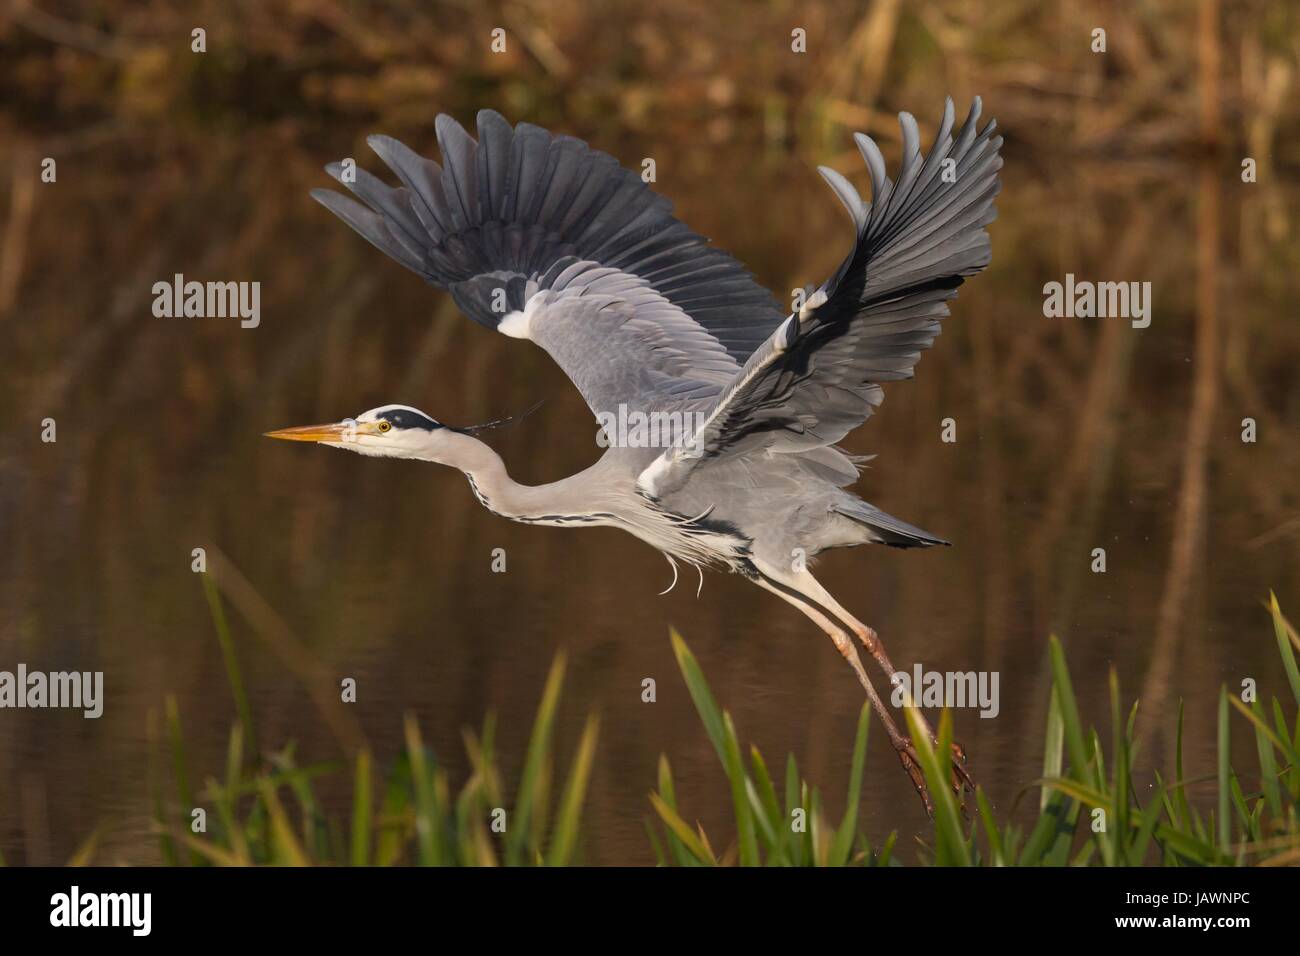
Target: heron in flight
x,y
540,237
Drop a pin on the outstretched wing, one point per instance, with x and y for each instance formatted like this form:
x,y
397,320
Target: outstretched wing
x,y
818,376
541,237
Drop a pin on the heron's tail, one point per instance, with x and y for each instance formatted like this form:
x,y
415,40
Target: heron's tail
x,y
885,528
504,209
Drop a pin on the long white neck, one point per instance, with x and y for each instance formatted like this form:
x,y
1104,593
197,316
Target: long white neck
x,y
496,490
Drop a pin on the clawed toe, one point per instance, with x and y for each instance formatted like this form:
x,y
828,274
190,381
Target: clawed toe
x,y
962,781
912,764
961,775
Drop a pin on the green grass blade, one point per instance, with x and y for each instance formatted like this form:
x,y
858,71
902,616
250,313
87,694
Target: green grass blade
x,y
183,791
231,659
997,850
950,841
161,818
1225,822
1146,826
1268,775
395,817
794,801
1244,814
708,709
1285,635
1054,828
1074,736
1053,746
770,805
745,836
680,829
315,835
1117,829
227,800
667,793
361,809
565,838
655,846
288,849
529,811
887,849
428,822
1180,790
1265,732
842,845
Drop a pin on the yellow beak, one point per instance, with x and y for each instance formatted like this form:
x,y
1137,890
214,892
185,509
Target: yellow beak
x,y
334,432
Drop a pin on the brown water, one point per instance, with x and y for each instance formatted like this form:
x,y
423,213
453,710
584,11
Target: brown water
x,y
1072,434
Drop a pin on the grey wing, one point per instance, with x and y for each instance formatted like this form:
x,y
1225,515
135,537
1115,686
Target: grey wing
x,y
818,375
507,216
619,340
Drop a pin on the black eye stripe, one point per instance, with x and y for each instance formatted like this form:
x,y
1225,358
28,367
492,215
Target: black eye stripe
x,y
405,418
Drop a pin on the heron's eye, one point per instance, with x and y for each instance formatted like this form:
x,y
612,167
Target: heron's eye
x,y
385,425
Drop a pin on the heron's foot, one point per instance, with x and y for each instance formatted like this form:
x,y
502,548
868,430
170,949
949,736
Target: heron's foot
x,y
912,764
962,781
961,775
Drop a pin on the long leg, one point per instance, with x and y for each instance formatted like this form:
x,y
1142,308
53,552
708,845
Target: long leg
x,y
811,589
844,644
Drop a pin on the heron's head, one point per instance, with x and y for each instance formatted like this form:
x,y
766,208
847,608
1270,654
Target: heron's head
x,y
389,431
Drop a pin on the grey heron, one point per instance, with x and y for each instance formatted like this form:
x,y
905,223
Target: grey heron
x,y
540,237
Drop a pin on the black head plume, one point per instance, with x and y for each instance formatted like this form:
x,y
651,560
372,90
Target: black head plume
x,y
497,423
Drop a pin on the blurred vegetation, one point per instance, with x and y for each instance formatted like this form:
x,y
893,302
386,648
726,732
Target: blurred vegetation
x,y
1088,816
663,66
265,810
